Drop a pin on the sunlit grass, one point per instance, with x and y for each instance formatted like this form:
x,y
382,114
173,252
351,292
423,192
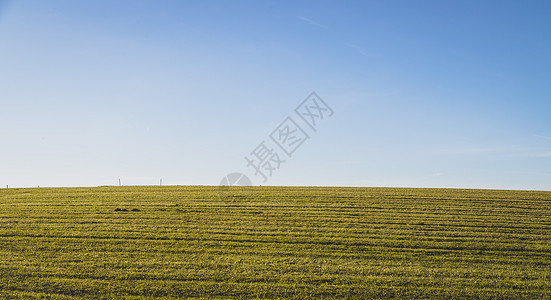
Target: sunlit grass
x,y
274,242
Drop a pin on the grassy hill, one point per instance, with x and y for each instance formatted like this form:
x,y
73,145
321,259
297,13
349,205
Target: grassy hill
x,y
273,242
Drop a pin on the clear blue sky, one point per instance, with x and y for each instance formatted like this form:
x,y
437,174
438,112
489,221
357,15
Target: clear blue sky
x,y
424,93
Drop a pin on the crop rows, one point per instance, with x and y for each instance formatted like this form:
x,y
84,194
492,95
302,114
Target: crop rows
x,y
273,242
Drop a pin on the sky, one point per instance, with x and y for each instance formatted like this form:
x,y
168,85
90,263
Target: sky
x,y
422,93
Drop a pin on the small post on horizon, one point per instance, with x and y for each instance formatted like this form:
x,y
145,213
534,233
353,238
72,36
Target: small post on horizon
x,y
119,182
160,182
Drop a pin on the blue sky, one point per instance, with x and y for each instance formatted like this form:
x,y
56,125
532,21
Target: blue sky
x,y
424,93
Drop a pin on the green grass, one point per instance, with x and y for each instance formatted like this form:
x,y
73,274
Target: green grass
x,y
274,242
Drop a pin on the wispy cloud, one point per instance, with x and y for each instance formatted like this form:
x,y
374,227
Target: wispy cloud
x,y
482,150
507,151
352,162
310,21
360,50
542,154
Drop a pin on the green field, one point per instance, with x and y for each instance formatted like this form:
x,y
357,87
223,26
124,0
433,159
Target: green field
x,y
274,242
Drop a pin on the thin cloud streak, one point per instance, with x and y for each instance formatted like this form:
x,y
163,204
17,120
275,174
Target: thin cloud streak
x,y
545,154
310,21
359,50
513,151
483,150
352,162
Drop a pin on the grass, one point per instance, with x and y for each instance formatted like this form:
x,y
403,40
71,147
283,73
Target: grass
x,y
274,242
